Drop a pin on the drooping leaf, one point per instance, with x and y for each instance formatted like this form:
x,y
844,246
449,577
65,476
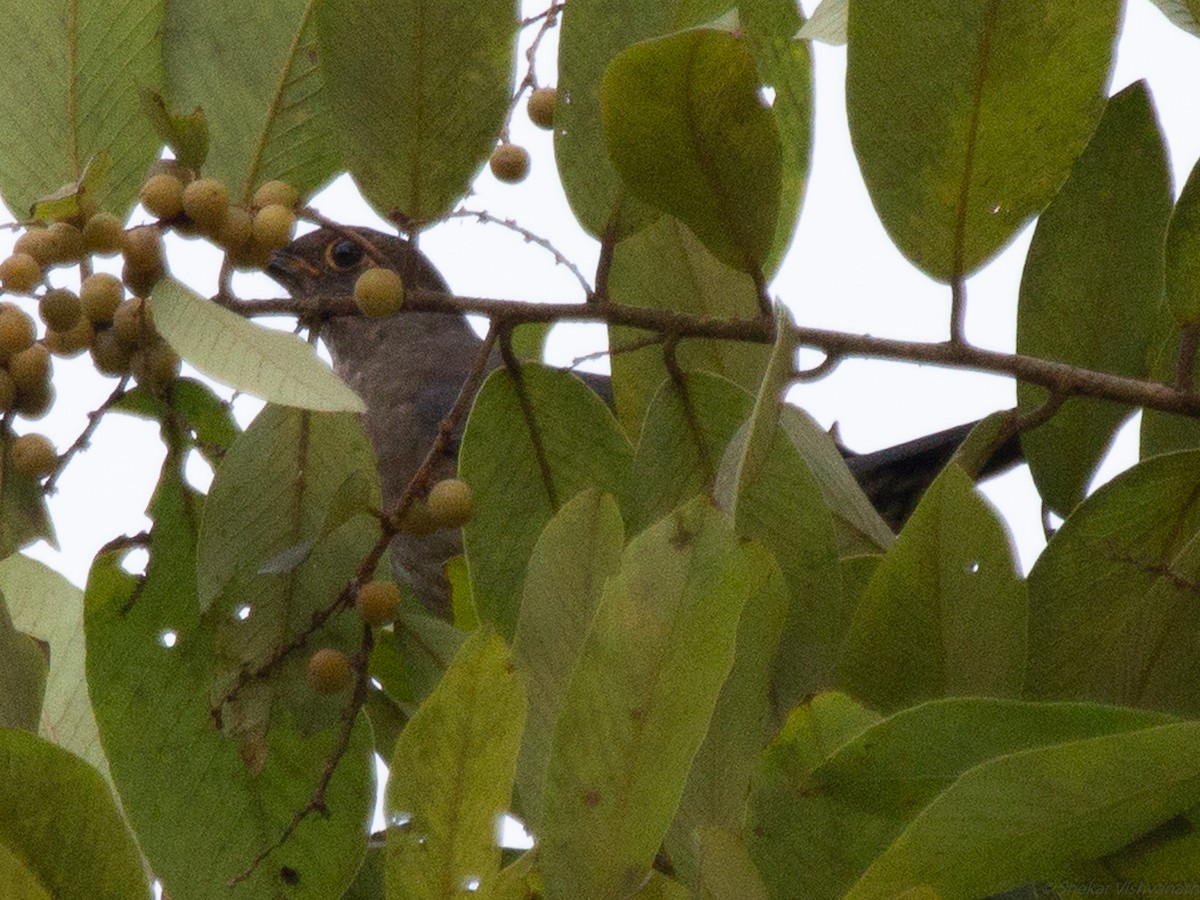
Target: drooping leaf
x,y
665,267
259,88
719,780
418,114
688,133
60,827
945,612
966,117
23,670
574,435
1028,816
1112,615
74,81
274,365
1092,290
46,606
185,133
639,701
202,809
452,775
593,32
573,558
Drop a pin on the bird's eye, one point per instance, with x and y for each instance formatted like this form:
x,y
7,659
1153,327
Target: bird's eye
x,y
344,254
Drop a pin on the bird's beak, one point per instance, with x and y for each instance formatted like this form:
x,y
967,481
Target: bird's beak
x,y
290,270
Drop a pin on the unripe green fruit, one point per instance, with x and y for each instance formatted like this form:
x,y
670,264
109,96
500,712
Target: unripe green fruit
x,y
142,248
16,332
34,455
206,201
20,273
450,503
102,234
35,402
71,342
109,355
279,192
30,368
60,309
379,292
328,671
162,195
378,603
510,163
100,294
273,226
541,107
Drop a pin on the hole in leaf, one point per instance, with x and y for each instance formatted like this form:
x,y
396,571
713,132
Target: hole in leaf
x,y
168,638
972,567
243,612
136,560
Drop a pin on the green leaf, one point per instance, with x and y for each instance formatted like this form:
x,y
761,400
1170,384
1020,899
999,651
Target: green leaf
x,y
185,133
209,418
59,822
274,365
672,464
592,33
945,612
741,724
75,198
807,845
1092,290
1026,816
827,23
419,113
581,446
452,775
966,117
24,666
639,702
786,66
1111,599
1183,253
259,88
575,555
426,646
49,608
1183,13
895,768
726,870
688,133
666,267
778,501
200,808
74,78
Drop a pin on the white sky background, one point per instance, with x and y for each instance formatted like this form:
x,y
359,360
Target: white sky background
x,y
842,272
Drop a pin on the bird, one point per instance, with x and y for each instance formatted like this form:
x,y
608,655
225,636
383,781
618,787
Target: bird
x,y
409,367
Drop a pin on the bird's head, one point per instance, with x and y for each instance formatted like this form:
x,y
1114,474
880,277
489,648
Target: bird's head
x,y
326,263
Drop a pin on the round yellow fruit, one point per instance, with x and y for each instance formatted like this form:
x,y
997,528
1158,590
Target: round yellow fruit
x,y
205,201
162,196
99,295
541,107
277,192
109,355
30,368
450,503
510,163
34,455
379,292
20,273
328,671
102,234
71,342
378,603
273,226
60,309
16,332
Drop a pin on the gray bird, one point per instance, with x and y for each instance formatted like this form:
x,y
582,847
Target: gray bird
x,y
408,369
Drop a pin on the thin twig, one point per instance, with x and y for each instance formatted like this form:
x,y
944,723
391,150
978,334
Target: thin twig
x,y
1185,364
531,237
80,443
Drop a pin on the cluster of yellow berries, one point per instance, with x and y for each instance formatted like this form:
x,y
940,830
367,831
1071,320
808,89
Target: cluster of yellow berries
x,y
378,602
